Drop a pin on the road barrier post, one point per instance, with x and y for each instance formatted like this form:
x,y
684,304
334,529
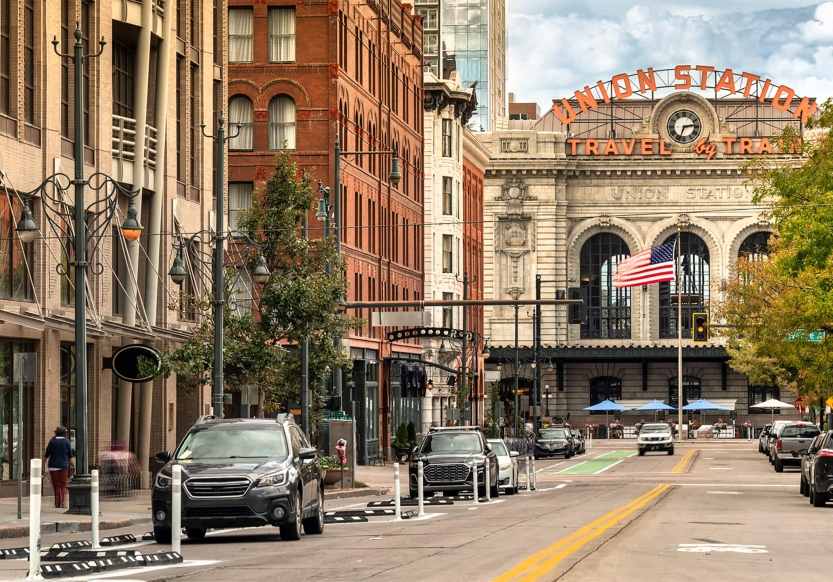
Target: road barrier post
x,y
534,475
487,481
94,507
397,503
526,464
176,509
35,489
420,472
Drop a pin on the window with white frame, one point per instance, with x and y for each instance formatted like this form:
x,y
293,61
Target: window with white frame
x,y
282,35
448,253
446,138
282,123
448,196
448,311
241,112
240,35
239,201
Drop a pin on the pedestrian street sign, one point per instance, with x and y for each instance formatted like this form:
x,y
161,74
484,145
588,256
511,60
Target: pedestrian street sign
x,y
829,402
813,336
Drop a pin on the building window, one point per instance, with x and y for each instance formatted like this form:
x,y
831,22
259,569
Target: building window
x,y
282,123
12,401
448,311
124,78
65,48
5,60
758,394
691,390
193,150
693,269
241,112
242,291
448,196
447,138
240,35
119,267
180,120
755,247
448,255
67,383
15,257
281,35
431,44
607,309
430,16
605,388
239,201
68,280
29,61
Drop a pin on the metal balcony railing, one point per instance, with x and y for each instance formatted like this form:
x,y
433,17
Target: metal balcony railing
x,y
124,140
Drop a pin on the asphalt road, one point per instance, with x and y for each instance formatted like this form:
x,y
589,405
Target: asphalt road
x,y
710,512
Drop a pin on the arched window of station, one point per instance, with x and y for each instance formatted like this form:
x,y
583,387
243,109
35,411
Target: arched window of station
x,y
281,123
241,112
755,247
691,390
607,313
605,388
693,269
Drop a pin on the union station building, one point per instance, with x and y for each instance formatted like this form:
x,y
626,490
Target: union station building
x,y
618,168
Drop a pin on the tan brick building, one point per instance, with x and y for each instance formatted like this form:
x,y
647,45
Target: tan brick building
x,y
160,75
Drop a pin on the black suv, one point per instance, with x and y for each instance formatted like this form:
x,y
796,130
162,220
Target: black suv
x,y
242,472
554,441
448,455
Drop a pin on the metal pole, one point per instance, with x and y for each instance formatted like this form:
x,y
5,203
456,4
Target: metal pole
x,y
537,340
487,474
420,476
397,504
679,340
517,365
336,193
219,274
94,505
176,508
305,359
20,360
34,519
463,367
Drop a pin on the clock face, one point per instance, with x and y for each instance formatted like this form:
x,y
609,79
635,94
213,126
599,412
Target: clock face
x,y
684,126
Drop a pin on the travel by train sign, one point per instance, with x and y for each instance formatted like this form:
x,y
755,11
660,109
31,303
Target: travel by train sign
x,y
650,146
683,77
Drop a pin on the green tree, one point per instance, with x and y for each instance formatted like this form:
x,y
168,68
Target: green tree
x,y
772,305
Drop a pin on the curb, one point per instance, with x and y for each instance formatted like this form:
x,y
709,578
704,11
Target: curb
x,y
339,494
53,527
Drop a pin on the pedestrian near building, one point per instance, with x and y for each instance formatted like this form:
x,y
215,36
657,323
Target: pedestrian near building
x,y
59,457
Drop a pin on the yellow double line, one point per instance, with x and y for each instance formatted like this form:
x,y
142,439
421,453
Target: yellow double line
x,y
678,468
539,564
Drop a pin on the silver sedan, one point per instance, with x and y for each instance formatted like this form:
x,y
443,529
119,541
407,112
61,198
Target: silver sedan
x,y
508,465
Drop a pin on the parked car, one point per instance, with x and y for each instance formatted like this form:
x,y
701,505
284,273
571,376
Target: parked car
x,y
579,444
655,436
807,461
550,442
451,457
242,472
820,471
762,438
790,443
770,438
508,464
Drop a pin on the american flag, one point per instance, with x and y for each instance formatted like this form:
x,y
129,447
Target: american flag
x,y
653,265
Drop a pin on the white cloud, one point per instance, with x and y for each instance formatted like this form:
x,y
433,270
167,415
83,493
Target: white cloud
x,y
556,48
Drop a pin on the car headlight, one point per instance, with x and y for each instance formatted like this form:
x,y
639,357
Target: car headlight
x,y
476,463
272,479
163,482
504,467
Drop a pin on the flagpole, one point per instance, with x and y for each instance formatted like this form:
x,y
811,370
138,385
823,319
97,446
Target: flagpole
x,y
679,341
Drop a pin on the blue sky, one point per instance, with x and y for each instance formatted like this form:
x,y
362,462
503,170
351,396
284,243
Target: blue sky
x,y
558,46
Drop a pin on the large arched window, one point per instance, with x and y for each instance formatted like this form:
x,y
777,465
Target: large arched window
x,y
755,247
282,123
693,272
608,309
605,388
691,390
241,112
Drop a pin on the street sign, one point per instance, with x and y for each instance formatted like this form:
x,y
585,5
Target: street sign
x,y
452,414
799,405
800,334
829,402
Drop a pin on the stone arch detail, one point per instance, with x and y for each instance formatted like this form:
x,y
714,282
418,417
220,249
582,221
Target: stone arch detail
x,y
659,231
742,229
284,87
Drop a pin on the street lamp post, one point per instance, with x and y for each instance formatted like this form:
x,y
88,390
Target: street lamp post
x,y
217,263
77,225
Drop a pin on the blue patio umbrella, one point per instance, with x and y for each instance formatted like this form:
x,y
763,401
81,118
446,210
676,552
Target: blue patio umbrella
x,y
703,404
655,405
606,406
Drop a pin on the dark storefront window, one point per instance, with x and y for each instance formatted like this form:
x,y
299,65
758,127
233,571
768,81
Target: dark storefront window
x,y
67,416
608,309
691,390
405,400
758,394
693,268
11,406
605,388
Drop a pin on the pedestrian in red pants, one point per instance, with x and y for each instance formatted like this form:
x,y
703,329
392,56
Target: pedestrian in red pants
x,y
59,457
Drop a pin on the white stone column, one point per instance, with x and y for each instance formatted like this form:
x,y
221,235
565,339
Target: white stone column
x,y
436,411
427,411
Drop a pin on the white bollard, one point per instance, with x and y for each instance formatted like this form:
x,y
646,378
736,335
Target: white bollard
x,y
526,463
534,475
94,508
176,509
420,473
396,501
475,491
487,474
35,490
590,441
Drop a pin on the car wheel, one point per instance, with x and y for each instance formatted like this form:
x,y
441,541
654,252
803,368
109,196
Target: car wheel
x,y
494,491
292,531
671,451
641,452
817,499
802,486
413,493
194,533
315,524
779,465
162,535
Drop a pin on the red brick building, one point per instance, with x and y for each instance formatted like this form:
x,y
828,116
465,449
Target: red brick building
x,y
302,72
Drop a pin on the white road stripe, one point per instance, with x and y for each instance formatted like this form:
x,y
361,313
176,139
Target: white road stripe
x,y
609,466
121,573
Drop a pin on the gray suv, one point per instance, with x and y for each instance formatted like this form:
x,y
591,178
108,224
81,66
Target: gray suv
x,y
242,472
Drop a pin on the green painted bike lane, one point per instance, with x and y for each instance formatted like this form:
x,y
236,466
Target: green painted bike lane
x,y
598,464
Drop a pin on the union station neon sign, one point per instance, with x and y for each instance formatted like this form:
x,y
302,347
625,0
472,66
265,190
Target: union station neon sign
x,y
683,77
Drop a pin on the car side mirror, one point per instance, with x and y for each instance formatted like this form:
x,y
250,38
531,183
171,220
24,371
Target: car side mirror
x,y
415,450
307,453
488,448
163,457
514,454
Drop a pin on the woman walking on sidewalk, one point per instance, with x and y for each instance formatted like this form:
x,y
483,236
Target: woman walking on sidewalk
x,y
59,457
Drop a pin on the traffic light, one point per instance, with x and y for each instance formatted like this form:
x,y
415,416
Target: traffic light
x,y
700,327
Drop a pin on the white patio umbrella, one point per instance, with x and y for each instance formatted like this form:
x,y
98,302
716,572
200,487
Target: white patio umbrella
x,y
772,404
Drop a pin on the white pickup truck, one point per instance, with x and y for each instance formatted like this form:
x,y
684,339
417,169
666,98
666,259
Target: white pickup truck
x,y
791,441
